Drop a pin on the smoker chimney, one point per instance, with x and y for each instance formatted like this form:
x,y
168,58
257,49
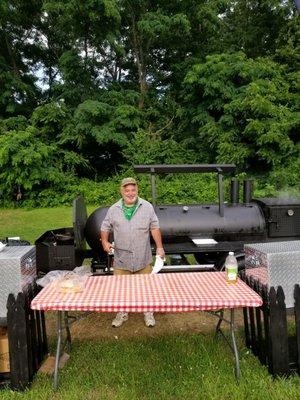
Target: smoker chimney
x,y
248,189
234,191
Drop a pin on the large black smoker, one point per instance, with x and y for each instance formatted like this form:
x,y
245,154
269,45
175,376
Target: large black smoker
x,y
208,231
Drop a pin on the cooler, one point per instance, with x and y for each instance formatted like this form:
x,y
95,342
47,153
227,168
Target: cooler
x,y
275,264
17,271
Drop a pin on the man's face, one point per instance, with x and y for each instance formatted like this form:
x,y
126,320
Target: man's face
x,y
129,194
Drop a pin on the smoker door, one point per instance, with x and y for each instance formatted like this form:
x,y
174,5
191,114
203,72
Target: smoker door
x,y
284,221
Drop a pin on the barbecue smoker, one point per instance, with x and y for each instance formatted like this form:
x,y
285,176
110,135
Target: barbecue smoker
x,y
207,231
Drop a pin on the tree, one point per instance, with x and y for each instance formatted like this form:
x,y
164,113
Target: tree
x,y
90,87
26,163
78,39
243,109
99,129
19,93
253,26
288,45
160,39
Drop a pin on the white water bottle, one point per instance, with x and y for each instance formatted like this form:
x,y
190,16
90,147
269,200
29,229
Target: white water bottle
x,y
231,268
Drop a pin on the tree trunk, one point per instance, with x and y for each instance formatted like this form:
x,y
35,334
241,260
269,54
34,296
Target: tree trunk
x,y
11,55
140,63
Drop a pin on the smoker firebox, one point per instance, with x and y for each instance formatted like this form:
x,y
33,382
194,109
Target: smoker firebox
x,y
283,217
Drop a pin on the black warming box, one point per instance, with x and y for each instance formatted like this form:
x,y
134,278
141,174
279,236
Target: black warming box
x,y
55,250
65,248
282,217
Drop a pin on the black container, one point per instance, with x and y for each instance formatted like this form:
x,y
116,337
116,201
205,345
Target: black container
x,y
55,250
282,216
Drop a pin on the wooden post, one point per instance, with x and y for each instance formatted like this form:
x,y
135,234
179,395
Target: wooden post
x,y
266,319
33,345
278,333
297,322
253,331
246,314
17,339
27,338
37,332
259,341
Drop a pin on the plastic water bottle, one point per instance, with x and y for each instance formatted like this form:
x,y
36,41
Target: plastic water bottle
x,y
231,268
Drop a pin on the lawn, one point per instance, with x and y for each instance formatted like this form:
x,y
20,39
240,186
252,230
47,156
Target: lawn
x,y
30,224
178,359
175,366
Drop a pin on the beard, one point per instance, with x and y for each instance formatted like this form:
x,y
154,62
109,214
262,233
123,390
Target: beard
x,y
130,200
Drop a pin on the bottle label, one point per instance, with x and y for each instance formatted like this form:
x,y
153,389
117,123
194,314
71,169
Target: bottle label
x,y
231,273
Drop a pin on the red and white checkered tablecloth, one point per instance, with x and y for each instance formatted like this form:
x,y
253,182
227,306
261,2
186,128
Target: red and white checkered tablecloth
x,y
174,292
258,273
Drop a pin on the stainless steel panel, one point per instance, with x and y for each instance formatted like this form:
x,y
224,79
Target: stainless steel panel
x,y
17,271
275,264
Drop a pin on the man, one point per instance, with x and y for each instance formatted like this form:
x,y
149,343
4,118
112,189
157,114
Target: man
x,y
131,220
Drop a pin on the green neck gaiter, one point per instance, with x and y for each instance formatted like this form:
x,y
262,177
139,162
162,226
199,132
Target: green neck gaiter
x,y
129,210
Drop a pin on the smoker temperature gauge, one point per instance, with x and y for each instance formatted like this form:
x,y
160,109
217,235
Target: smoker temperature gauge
x,y
185,209
290,212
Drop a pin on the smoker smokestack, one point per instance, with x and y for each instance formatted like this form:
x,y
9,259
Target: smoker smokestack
x,y
234,191
248,189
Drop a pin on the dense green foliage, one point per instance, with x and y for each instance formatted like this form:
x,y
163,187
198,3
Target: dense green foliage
x,y
90,88
244,109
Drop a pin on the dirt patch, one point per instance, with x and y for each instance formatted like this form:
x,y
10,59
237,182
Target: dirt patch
x,y
97,326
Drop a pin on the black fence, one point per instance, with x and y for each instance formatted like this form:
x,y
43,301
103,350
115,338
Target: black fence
x,y
27,340
272,331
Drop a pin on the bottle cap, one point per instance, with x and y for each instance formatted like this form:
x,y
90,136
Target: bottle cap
x,y
231,253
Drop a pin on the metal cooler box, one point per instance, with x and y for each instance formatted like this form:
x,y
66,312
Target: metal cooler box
x,y
275,264
17,271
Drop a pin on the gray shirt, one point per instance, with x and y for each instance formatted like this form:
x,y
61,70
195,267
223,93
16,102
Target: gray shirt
x,y
132,238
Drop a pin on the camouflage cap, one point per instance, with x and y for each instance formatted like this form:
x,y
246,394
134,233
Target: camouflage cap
x,y
128,181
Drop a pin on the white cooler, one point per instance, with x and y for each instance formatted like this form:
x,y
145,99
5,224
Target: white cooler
x,y
275,264
17,271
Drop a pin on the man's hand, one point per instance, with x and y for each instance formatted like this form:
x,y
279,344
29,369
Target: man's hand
x,y
107,246
158,241
160,252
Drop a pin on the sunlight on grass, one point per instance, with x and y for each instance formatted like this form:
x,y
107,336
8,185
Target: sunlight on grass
x,y
30,224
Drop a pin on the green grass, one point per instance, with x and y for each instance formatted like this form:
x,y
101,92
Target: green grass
x,y
30,224
175,366
185,366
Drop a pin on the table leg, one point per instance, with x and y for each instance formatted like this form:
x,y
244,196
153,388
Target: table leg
x,y
221,317
234,346
64,321
58,349
68,333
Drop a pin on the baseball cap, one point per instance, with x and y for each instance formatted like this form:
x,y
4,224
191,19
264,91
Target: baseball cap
x,y
128,181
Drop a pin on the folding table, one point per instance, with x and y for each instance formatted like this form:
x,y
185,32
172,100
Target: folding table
x,y
173,292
